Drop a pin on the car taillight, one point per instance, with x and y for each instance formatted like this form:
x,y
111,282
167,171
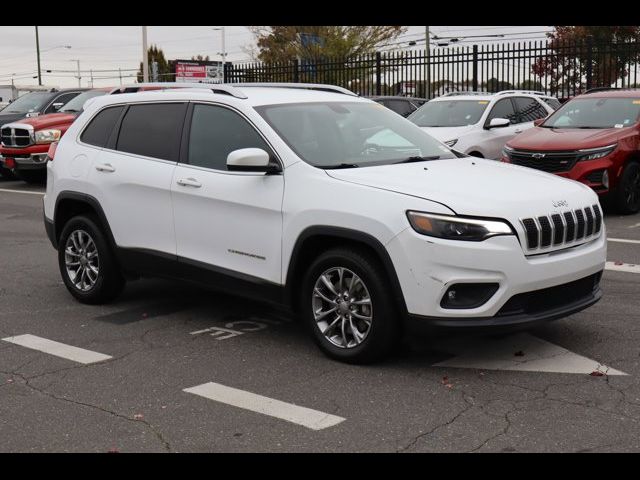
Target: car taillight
x,y
52,151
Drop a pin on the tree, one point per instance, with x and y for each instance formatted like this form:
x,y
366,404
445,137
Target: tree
x,y
165,72
612,49
314,43
200,58
530,85
494,85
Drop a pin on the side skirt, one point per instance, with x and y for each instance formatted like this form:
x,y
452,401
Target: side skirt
x,y
150,263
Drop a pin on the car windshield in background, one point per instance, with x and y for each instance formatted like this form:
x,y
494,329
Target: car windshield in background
x,y
449,113
76,103
595,113
350,134
29,103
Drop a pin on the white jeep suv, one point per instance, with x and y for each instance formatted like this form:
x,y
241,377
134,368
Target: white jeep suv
x,y
479,123
313,197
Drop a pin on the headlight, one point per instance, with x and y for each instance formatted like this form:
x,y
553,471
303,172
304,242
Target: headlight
x,y
506,151
451,143
457,228
595,153
48,136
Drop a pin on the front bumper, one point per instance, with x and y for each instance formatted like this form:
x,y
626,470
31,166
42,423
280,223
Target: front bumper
x,y
427,267
26,161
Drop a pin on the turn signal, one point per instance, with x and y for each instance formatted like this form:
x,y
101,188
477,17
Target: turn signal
x,y
52,151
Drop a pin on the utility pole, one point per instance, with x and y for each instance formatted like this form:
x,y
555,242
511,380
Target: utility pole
x,y
223,53
91,74
79,75
120,74
145,57
38,55
428,48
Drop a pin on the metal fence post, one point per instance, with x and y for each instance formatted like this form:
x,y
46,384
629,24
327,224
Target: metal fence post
x,y
378,74
296,71
589,60
475,68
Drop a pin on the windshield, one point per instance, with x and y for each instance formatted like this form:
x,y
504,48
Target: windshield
x,y
449,113
28,103
595,113
350,134
76,103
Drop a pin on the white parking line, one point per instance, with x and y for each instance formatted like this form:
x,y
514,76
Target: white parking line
x,y
58,349
6,190
306,417
622,240
622,267
519,352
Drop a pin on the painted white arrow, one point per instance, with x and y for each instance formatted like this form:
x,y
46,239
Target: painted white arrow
x,y
522,352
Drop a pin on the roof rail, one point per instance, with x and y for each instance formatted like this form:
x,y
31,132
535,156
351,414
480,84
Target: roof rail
x,y
530,92
304,86
465,92
223,88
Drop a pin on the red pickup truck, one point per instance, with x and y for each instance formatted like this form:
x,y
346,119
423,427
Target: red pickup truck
x,y
25,142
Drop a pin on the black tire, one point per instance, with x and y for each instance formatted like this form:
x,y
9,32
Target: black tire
x,y
109,281
383,334
36,177
627,195
6,173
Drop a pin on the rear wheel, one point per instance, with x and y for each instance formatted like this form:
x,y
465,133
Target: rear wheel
x,y
86,262
627,194
347,304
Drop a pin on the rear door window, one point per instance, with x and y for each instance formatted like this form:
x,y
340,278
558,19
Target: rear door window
x,y
99,130
152,130
529,109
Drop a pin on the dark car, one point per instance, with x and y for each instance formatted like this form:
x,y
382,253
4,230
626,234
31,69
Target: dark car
x,y
401,105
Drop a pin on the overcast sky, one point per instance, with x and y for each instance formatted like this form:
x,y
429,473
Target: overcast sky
x,y
110,48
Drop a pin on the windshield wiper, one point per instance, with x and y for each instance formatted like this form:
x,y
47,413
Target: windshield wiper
x,y
418,159
339,165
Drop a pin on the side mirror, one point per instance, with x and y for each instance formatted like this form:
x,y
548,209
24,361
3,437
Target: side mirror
x,y
538,121
251,160
498,123
57,106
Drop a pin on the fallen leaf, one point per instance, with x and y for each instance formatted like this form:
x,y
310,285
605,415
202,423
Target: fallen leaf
x,y
448,385
138,416
445,380
113,450
519,353
597,373
618,263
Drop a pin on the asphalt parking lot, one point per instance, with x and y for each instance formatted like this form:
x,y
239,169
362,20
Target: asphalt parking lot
x,y
167,368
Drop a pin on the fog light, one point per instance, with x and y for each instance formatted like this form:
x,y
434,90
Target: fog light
x,y
468,295
605,179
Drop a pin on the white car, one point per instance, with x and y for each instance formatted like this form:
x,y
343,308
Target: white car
x,y
479,124
313,197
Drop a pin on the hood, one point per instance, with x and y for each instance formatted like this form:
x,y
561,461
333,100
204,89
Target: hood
x,y
474,186
541,139
7,117
50,120
445,134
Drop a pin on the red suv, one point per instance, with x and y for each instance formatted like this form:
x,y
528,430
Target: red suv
x,y
594,139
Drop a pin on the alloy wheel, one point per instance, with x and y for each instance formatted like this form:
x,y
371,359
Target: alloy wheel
x,y
342,307
81,260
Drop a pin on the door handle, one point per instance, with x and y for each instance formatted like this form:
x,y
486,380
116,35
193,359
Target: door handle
x,y
189,182
105,167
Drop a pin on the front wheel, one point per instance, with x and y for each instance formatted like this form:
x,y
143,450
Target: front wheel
x,y
87,265
627,195
347,304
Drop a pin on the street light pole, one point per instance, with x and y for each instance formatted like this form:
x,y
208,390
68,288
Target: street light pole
x,y
223,54
38,55
79,76
145,56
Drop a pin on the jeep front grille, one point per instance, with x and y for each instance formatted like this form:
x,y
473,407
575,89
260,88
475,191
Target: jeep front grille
x,y
568,228
16,137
